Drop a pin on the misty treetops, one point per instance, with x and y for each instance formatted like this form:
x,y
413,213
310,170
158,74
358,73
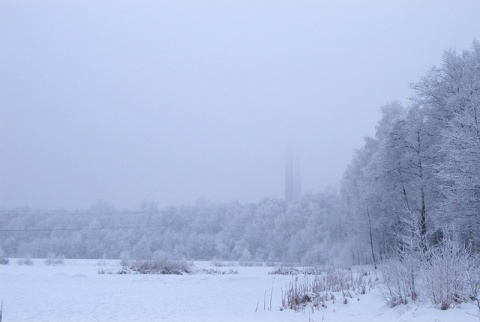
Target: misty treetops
x,y
419,175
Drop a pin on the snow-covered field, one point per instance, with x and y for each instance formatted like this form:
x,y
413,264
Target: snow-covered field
x,y
76,292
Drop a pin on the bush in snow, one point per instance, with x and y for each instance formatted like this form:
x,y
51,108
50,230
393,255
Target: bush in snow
x,y
125,258
395,287
451,275
52,259
292,270
25,261
400,273
157,265
472,280
165,267
446,274
326,286
285,270
216,271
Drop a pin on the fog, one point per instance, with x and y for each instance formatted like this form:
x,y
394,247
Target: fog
x,y
173,101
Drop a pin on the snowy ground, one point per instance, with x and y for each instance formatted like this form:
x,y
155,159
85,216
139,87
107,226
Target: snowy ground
x,y
76,292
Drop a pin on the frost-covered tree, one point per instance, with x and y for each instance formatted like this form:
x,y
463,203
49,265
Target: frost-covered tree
x,y
450,97
361,199
424,161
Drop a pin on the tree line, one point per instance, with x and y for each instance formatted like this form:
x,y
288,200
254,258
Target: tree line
x,y
271,230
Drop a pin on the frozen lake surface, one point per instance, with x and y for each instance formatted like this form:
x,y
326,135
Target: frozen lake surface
x,y
76,292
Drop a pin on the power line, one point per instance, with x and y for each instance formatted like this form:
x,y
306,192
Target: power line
x,y
80,214
76,229
157,212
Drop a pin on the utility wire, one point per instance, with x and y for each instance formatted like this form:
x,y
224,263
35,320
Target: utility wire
x,y
81,214
75,229
116,213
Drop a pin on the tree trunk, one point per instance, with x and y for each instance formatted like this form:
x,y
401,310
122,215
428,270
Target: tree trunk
x,y
423,222
371,238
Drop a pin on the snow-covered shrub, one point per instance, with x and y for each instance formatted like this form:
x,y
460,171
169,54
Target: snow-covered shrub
x,y
215,271
325,286
103,270
292,270
165,267
472,279
251,264
52,259
298,295
161,266
401,272
446,274
125,258
25,261
395,283
285,270
451,275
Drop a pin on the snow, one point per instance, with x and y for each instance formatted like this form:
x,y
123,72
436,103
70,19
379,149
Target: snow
x,y
76,292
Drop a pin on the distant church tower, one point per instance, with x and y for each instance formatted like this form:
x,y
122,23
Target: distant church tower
x,y
292,176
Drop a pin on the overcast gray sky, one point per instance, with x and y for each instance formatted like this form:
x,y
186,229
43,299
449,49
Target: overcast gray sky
x,y
172,101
